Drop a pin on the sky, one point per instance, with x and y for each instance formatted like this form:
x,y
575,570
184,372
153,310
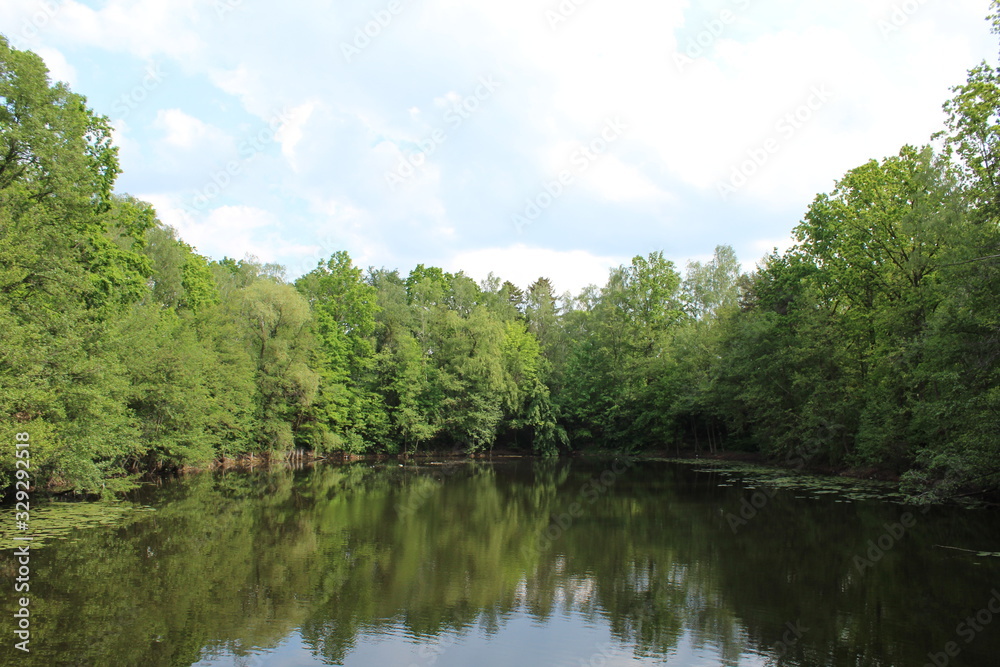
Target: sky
x,y
526,137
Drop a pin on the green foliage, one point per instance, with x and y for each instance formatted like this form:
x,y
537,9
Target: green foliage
x,y
973,132
615,337
872,342
276,320
709,289
55,149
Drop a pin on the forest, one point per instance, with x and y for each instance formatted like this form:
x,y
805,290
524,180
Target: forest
x,y
871,344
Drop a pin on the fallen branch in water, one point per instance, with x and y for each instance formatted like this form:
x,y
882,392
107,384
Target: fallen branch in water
x,y
993,554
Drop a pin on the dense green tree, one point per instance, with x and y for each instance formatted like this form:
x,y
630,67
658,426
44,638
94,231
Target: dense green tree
x,y
615,334
712,287
64,279
872,342
276,318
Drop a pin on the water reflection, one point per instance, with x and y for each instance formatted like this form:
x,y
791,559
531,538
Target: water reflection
x,y
518,563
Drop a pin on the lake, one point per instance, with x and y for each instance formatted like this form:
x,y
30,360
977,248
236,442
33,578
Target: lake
x,y
518,562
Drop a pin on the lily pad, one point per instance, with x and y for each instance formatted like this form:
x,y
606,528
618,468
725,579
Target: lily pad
x,y
58,520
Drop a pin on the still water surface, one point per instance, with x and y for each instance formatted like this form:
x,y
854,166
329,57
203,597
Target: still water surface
x,y
524,563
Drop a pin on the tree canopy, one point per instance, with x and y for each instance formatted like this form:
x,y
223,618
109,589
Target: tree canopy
x,y
873,342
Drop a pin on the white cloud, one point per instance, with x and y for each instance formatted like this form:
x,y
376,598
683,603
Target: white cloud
x,y
761,248
687,129
143,28
246,85
616,181
128,149
232,231
59,68
522,265
292,130
184,132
